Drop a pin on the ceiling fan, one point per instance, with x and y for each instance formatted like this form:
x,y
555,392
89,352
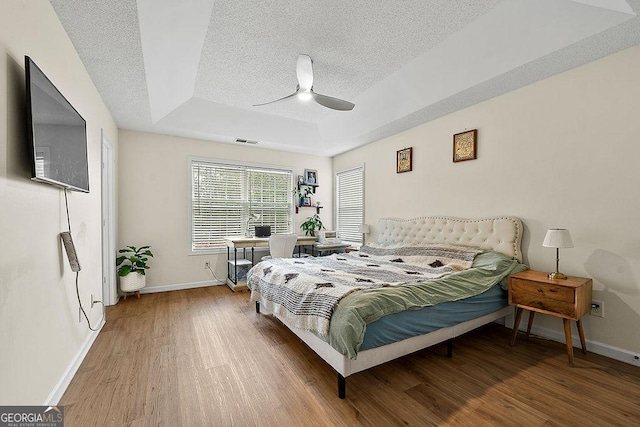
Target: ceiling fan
x,y
304,90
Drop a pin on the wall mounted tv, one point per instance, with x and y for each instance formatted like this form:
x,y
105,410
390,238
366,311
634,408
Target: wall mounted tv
x,y
57,134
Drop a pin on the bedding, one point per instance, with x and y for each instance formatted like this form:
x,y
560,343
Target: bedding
x,y
305,291
406,324
355,311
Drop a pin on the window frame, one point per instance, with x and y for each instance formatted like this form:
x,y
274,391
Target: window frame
x,y
234,164
337,202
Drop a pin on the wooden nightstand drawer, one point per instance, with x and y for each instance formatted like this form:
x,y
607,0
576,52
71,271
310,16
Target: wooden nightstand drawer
x,y
542,290
543,301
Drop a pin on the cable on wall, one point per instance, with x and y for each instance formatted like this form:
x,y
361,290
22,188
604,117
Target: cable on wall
x,y
208,267
92,302
66,202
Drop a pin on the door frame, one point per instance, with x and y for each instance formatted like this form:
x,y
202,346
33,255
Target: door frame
x,y
109,288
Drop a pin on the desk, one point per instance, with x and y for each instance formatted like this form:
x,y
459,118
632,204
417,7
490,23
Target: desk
x,y
244,243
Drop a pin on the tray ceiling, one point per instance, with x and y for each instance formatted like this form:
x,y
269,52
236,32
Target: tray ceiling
x,y
195,68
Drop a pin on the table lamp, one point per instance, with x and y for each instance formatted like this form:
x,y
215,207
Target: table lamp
x,y
557,238
364,229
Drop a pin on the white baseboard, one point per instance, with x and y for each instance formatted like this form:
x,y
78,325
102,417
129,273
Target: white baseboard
x,y
179,286
592,346
59,389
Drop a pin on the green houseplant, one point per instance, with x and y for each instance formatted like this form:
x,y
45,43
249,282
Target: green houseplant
x,y
302,192
312,224
132,265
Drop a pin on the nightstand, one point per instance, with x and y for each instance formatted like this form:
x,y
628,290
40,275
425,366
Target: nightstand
x,y
568,299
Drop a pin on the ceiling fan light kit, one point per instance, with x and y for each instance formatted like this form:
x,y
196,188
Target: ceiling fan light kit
x,y
304,91
304,96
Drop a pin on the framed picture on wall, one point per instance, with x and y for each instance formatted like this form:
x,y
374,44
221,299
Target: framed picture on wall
x,y
306,201
311,177
464,145
403,160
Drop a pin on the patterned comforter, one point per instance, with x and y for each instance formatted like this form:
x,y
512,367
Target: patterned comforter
x,y
304,292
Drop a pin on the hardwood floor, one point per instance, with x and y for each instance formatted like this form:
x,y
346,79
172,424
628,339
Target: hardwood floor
x,y
203,357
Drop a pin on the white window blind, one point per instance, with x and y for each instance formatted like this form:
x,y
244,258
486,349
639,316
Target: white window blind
x,y
224,197
350,204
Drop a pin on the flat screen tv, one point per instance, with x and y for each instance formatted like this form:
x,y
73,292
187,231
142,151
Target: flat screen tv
x,y
57,134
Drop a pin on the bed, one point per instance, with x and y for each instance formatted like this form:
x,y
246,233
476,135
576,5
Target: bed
x,y
397,295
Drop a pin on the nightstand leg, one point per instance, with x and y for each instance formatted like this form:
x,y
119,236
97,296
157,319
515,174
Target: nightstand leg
x,y
567,337
531,316
582,340
516,325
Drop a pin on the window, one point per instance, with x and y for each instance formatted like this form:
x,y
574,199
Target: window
x,y
226,197
350,204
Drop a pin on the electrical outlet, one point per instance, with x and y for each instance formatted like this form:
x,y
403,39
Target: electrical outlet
x,y
207,265
636,359
597,308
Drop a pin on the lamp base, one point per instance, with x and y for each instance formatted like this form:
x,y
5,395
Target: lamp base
x,y
556,275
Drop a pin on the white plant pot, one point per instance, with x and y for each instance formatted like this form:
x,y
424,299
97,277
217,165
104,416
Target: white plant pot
x,y
132,282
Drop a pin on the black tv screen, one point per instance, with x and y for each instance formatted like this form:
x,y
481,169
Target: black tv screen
x,y
57,134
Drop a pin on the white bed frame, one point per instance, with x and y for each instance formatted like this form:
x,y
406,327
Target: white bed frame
x,y
498,234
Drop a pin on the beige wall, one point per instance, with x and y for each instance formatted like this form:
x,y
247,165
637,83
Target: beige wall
x,y
154,198
559,153
40,334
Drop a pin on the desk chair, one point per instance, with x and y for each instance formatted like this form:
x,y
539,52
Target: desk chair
x,y
281,246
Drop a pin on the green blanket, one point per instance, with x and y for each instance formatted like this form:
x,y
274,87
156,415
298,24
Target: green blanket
x,y
356,310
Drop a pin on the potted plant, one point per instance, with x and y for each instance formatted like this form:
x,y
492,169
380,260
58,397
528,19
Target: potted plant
x,y
131,268
302,193
312,224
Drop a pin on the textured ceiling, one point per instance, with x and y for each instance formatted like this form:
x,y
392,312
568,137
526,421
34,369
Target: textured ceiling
x,y
195,68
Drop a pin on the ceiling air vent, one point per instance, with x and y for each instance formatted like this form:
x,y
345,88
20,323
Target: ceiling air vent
x,y
245,141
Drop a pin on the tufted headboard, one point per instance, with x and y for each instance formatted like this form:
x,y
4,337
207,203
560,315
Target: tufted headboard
x,y
499,234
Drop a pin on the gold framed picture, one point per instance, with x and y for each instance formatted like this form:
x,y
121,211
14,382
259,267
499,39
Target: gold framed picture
x,y
464,145
403,160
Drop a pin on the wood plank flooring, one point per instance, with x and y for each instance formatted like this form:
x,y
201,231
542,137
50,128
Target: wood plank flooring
x,y
203,357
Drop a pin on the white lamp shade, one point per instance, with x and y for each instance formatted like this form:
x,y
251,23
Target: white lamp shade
x,y
364,228
557,238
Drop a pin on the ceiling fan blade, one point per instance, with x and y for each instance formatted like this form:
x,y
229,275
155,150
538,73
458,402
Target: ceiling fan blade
x,y
331,102
277,100
304,71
